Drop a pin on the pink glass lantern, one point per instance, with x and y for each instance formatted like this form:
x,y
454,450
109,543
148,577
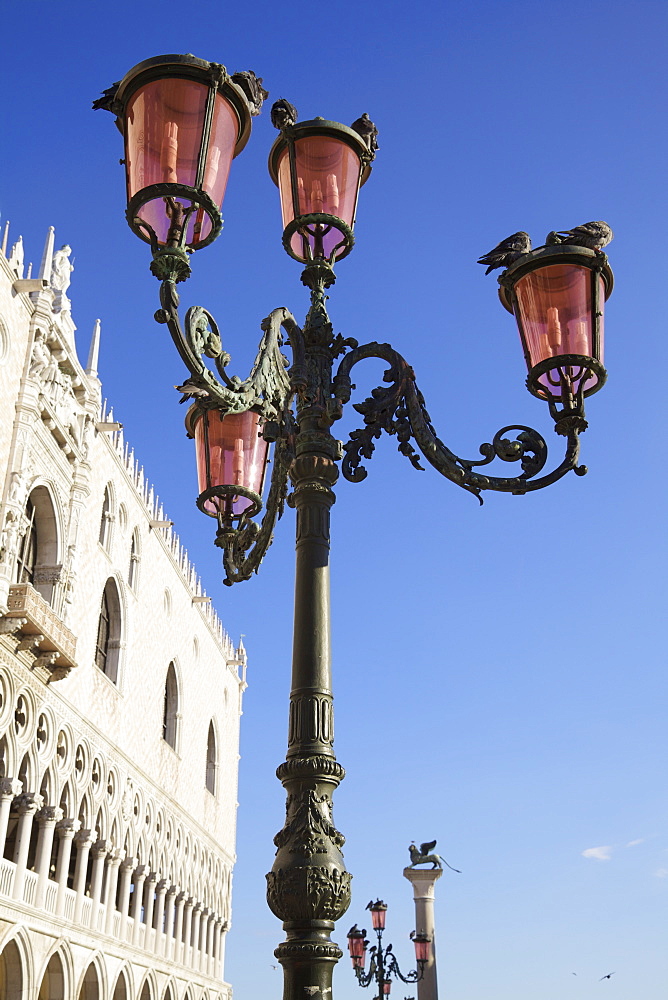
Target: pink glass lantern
x,y
231,461
319,167
422,944
357,947
557,295
183,120
378,911
387,986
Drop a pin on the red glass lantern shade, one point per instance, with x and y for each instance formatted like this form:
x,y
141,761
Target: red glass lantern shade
x,y
357,948
378,911
557,295
231,461
183,122
422,944
319,167
387,986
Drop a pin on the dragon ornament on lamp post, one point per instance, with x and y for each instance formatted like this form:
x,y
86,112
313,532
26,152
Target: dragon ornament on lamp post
x,y
183,120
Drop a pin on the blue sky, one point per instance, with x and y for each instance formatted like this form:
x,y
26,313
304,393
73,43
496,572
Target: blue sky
x,y
500,671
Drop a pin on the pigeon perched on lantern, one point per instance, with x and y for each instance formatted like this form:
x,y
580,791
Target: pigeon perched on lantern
x,y
594,235
507,251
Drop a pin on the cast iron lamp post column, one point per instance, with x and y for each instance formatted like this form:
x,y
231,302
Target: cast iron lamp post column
x,y
184,120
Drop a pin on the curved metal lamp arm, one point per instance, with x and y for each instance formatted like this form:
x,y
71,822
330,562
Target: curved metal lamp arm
x,y
399,409
267,389
244,548
366,978
393,966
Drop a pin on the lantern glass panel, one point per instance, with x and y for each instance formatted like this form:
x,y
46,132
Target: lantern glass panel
x,y
378,919
555,307
387,986
422,949
164,124
237,455
327,180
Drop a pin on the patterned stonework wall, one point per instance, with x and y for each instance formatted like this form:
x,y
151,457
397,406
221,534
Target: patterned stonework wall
x,y
118,769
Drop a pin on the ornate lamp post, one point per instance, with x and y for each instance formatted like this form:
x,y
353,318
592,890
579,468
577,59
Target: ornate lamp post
x,y
383,962
184,120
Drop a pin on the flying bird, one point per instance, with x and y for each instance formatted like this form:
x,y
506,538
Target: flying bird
x,y
609,976
594,235
368,131
283,114
507,251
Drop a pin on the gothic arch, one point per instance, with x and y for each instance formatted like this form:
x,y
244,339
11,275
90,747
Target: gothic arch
x,y
121,989
42,533
212,758
55,981
93,981
134,559
16,965
107,516
171,715
111,629
148,989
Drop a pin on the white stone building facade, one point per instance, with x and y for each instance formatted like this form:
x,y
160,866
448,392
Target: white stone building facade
x,y
120,692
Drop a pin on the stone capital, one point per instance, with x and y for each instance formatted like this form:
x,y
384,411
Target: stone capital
x,y
162,885
84,839
141,871
152,876
10,787
49,814
182,898
422,880
197,907
100,848
129,862
114,857
28,802
66,828
173,890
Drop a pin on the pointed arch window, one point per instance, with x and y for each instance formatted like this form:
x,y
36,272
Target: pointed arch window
x,y
170,715
211,760
37,560
108,642
106,519
133,569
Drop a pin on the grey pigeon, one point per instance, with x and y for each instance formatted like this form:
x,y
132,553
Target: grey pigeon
x,y
108,99
366,128
191,390
594,235
507,251
283,114
253,90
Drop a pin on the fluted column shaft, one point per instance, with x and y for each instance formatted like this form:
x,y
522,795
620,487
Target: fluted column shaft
x,y
47,818
65,829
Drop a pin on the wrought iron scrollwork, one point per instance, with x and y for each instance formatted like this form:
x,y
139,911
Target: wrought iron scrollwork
x,y
399,409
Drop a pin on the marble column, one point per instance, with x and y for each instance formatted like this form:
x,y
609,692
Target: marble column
x,y
140,875
99,852
149,903
177,953
169,920
194,941
26,806
9,789
160,890
220,948
128,865
203,924
65,831
423,880
47,818
110,884
208,963
187,930
83,842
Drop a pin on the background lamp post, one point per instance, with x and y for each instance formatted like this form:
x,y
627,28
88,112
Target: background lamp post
x,y
194,119
383,962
